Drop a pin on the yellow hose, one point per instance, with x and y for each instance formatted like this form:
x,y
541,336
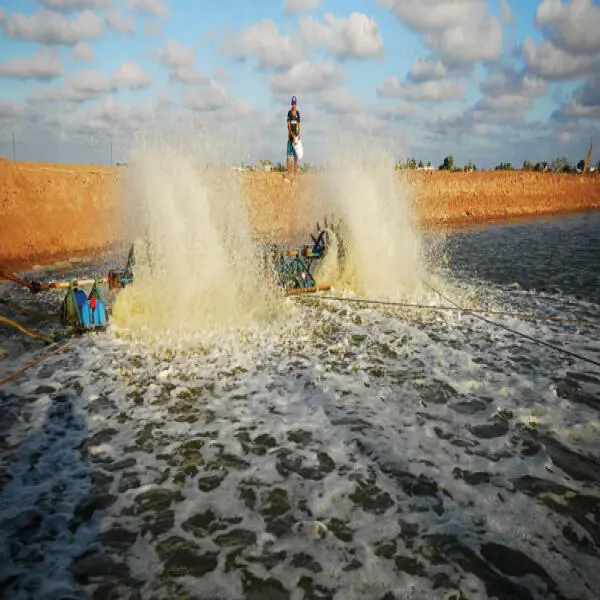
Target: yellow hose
x,y
33,363
26,311
33,334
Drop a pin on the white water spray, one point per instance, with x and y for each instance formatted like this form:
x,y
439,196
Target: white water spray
x,y
197,266
384,249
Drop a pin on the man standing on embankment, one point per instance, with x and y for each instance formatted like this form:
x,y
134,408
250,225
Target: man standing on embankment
x,y
293,126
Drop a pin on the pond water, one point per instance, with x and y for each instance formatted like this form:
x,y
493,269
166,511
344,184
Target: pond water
x,y
346,452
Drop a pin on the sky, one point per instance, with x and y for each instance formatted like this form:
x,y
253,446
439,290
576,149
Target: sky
x,y
486,81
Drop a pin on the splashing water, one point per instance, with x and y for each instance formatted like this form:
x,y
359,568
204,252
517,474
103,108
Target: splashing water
x,y
197,266
384,251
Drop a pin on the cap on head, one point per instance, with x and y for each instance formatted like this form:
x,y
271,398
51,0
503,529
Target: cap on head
x,y
293,100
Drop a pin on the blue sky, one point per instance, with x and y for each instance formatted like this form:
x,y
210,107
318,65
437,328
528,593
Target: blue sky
x,y
487,81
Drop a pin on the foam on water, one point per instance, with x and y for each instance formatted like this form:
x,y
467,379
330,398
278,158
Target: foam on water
x,y
351,454
197,266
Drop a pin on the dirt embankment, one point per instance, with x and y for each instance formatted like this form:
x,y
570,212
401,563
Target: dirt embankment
x,y
55,212
463,198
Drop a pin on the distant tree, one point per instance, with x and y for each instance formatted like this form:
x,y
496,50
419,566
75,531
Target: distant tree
x,y
541,166
411,163
429,164
581,165
528,166
420,164
560,163
504,167
448,164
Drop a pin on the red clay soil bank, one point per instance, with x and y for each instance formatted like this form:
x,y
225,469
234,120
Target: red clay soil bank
x,y
54,212
464,198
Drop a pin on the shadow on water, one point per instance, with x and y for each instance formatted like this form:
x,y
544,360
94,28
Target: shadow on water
x,y
45,477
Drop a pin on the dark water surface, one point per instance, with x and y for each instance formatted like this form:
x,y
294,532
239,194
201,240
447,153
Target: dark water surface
x,y
348,453
556,255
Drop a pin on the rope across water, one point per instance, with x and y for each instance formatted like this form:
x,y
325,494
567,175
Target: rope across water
x,y
477,313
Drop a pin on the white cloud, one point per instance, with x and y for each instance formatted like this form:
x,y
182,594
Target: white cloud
x,y
400,111
571,45
75,4
90,84
511,82
174,54
264,41
10,110
369,124
506,102
44,65
153,7
106,117
473,121
478,41
53,28
215,99
565,137
84,85
585,102
551,62
438,90
355,36
130,75
180,61
575,109
117,21
189,74
425,69
221,74
425,15
574,27
307,77
341,100
428,69
296,6
83,52
488,116
461,31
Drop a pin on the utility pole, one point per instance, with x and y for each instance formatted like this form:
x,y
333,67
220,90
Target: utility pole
x,y
14,145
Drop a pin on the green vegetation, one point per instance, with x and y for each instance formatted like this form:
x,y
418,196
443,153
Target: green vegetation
x,y
559,164
448,164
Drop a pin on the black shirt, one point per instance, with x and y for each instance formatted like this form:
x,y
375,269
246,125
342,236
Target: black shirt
x,y
294,121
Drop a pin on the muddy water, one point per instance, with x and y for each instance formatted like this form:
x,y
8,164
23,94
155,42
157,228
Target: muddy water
x,y
347,452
